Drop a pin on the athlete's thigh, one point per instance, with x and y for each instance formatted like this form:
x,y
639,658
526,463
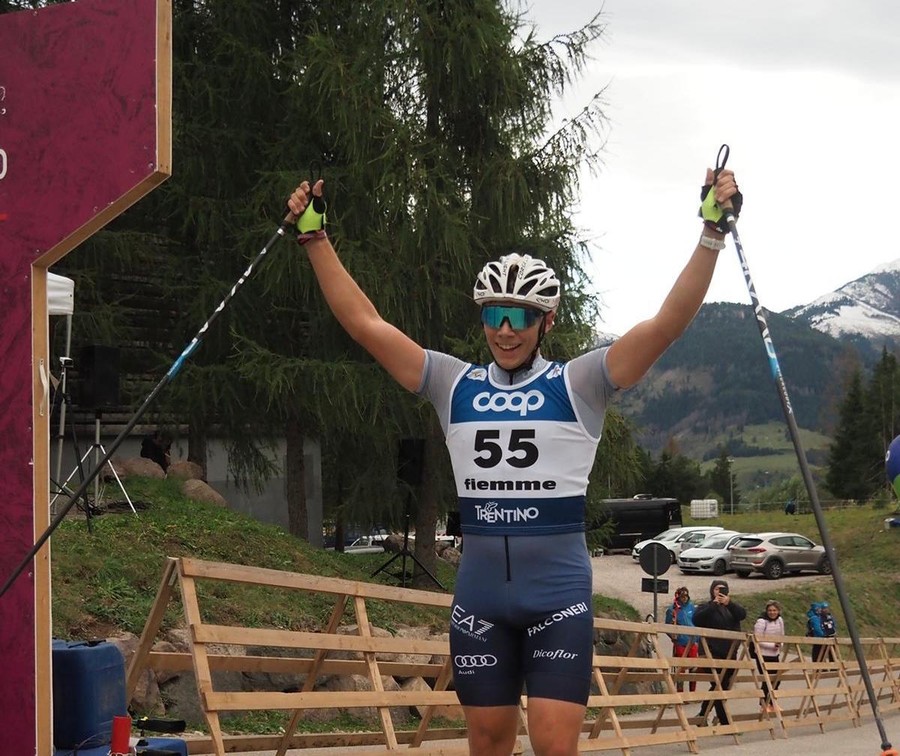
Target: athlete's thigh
x,y
559,652
486,655
492,729
554,726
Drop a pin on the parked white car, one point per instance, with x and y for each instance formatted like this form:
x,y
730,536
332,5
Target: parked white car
x,y
694,539
672,539
712,554
369,544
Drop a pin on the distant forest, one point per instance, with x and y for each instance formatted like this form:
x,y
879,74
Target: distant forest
x,y
717,376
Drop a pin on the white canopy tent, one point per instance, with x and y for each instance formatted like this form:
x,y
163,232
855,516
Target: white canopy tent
x,y
60,295
61,301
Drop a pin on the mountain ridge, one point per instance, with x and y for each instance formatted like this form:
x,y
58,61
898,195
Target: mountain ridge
x,y
867,307
716,378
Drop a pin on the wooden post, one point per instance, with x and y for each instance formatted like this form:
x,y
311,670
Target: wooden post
x,y
85,131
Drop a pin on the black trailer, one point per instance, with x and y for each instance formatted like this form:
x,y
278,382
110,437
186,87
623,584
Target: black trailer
x,y
636,519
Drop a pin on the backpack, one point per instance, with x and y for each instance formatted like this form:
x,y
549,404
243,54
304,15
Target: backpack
x,y
826,618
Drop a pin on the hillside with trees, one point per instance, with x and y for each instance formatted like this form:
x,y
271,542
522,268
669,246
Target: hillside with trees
x,y
716,377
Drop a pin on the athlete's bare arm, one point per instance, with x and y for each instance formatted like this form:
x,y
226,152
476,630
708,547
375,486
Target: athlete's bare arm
x,y
402,357
631,356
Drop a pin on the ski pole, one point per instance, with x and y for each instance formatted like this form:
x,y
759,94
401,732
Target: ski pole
x,y
164,381
843,598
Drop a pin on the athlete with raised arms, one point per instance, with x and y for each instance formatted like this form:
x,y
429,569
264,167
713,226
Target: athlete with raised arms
x,y
522,434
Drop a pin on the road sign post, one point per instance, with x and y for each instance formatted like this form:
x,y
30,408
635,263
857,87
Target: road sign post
x,y
655,559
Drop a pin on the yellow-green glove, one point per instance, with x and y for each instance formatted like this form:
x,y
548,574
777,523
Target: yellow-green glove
x,y
311,224
712,213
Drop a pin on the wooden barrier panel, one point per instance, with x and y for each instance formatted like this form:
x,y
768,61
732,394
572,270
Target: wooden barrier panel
x,y
636,701
809,690
883,662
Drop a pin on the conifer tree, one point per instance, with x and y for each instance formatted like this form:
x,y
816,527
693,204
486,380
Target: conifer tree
x,y
856,459
433,121
432,125
883,399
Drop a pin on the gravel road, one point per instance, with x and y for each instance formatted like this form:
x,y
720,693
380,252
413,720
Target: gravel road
x,y
619,576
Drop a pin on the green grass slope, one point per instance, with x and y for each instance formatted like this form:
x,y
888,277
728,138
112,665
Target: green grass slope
x,y
106,579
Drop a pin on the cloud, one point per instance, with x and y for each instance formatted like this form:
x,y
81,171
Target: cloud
x,y
858,38
808,96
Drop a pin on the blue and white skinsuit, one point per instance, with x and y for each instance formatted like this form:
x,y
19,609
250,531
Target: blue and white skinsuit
x,y
521,455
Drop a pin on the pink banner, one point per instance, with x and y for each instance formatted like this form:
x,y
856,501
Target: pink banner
x,y
78,132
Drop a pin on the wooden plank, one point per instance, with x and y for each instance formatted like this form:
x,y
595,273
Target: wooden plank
x,y
337,611
597,727
250,701
257,636
173,661
339,740
40,419
315,583
365,630
440,684
202,672
151,629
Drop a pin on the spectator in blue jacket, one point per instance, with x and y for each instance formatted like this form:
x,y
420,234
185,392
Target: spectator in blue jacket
x,y
820,624
681,613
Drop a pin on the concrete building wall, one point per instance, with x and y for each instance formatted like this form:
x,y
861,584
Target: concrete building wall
x,y
269,504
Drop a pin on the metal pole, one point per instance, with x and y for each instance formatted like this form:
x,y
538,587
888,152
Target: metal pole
x,y
64,363
731,484
96,473
830,553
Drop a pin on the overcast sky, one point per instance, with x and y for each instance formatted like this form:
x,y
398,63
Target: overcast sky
x,y
807,95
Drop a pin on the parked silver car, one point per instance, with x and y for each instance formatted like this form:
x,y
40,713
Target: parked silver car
x,y
775,554
712,554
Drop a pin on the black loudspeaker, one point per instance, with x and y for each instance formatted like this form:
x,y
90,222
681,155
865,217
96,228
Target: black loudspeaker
x,y
98,370
454,526
411,461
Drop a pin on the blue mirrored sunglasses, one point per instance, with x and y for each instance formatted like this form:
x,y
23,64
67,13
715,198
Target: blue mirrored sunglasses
x,y
519,317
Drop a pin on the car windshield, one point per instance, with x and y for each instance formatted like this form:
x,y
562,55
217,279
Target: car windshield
x,y
668,535
714,542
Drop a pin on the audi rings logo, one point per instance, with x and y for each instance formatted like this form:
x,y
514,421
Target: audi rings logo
x,y
513,401
479,660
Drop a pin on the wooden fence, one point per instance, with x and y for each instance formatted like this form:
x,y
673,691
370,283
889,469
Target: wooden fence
x,y
636,700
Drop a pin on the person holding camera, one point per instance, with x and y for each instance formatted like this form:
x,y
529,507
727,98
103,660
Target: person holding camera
x,y
721,612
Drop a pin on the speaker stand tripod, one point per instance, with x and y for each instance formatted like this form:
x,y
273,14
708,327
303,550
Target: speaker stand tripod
x,y
98,450
405,554
61,401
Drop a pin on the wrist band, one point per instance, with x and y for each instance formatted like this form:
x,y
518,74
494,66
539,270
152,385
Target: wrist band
x,y
711,242
318,234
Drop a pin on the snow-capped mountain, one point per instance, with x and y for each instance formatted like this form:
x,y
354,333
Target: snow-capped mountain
x,y
867,308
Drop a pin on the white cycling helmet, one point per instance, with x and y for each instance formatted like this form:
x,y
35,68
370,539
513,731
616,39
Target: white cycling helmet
x,y
520,279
